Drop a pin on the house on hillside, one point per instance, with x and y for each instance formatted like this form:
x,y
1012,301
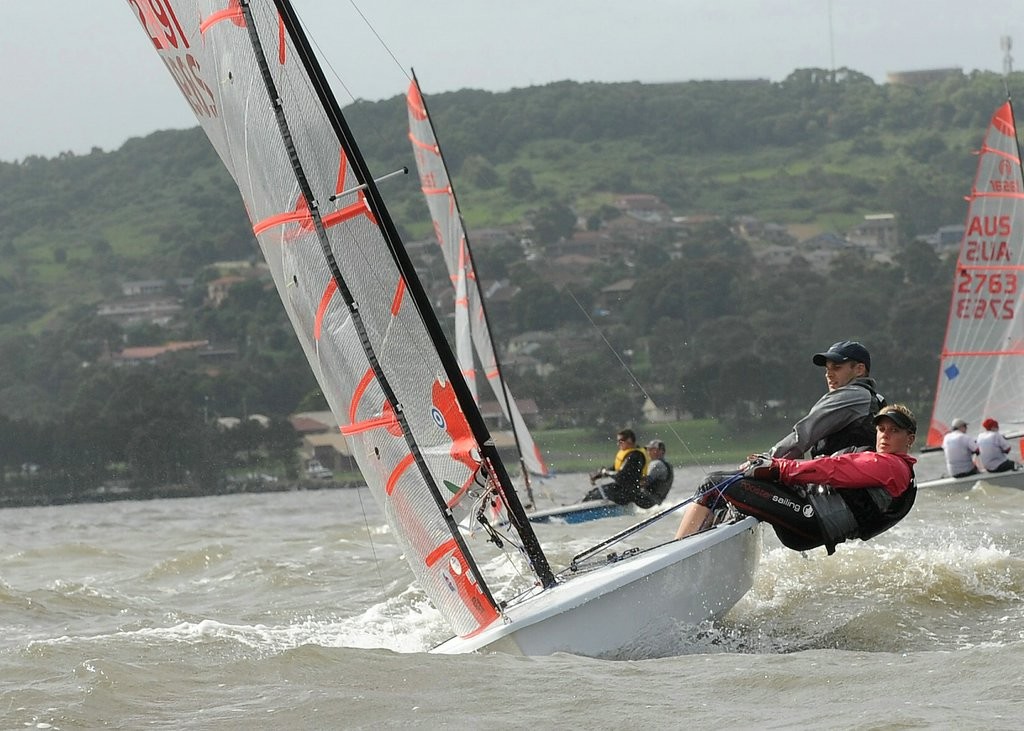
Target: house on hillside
x,y
322,440
217,289
877,233
150,354
155,310
923,77
153,287
643,207
611,298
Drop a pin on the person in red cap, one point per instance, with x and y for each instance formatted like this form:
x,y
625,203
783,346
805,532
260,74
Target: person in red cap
x,y
993,448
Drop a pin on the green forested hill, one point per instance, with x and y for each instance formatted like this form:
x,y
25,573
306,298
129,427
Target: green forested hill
x,y
712,333
801,150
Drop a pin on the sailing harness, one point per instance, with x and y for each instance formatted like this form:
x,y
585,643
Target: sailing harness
x,y
840,514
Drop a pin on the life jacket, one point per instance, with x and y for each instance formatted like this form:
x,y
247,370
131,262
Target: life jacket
x,y
655,491
858,433
620,458
861,513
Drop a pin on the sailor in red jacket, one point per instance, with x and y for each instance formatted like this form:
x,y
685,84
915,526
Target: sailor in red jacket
x,y
823,501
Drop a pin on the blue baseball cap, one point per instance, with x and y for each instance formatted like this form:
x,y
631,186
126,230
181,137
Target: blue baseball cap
x,y
843,351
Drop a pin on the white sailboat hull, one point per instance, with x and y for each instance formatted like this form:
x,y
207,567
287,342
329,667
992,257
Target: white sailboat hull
x,y
1002,479
630,605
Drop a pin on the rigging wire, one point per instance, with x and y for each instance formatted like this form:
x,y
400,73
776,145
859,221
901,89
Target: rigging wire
x,y
636,381
376,563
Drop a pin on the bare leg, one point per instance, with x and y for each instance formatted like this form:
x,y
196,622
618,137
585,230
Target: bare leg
x,y
694,519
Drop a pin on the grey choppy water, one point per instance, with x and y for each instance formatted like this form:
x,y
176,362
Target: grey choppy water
x,y
292,610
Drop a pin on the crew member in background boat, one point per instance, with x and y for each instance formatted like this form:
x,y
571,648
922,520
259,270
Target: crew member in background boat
x,y
822,501
629,469
655,485
842,418
993,448
959,449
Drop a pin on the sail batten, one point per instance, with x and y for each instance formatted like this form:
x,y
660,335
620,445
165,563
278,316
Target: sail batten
x,y
979,374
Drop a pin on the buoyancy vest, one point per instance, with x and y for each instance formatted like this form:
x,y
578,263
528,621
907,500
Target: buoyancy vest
x,y
858,513
655,491
620,458
858,433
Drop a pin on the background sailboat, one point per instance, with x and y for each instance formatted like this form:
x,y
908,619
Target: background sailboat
x,y
382,361
981,368
472,326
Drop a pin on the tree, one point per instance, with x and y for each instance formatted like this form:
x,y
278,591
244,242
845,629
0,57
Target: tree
x,y
554,222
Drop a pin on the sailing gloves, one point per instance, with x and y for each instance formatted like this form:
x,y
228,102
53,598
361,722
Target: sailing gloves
x,y
760,467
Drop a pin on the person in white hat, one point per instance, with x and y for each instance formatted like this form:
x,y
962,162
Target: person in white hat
x,y
960,449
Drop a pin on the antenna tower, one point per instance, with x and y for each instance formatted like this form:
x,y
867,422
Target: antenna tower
x,y
1006,43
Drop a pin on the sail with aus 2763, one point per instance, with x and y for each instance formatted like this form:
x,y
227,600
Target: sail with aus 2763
x,y
981,371
347,284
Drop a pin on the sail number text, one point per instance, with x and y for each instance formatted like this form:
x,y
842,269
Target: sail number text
x,y
169,39
988,295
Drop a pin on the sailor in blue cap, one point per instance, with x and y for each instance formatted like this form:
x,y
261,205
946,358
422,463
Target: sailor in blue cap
x,y
843,417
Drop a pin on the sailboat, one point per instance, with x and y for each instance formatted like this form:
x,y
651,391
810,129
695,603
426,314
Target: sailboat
x,y
472,325
981,368
380,356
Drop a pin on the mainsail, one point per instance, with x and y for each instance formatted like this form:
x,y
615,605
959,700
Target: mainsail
x,y
362,316
981,371
472,330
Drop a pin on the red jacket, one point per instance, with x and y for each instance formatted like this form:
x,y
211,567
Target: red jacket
x,y
856,469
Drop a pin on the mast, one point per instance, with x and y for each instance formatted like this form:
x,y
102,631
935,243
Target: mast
x,y
505,395
489,453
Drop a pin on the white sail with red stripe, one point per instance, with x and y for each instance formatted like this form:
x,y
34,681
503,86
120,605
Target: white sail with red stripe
x,y
981,371
346,282
383,363
472,331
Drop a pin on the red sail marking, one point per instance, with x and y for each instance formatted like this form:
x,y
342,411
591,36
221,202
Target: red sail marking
x,y
304,219
468,590
965,353
153,24
455,425
997,267
1003,120
401,467
359,208
361,387
396,301
339,184
540,460
415,102
387,420
280,39
232,13
321,309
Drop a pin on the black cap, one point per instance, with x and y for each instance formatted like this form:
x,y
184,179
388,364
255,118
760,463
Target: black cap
x,y
843,351
899,419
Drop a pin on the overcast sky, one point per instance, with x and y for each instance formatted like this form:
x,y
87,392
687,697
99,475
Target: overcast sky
x,y
81,73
